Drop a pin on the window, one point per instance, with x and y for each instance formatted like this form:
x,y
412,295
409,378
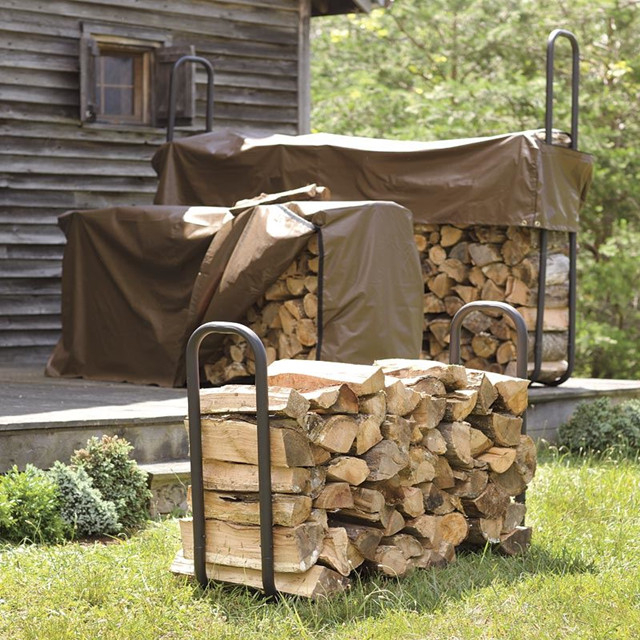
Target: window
x,y
122,81
125,77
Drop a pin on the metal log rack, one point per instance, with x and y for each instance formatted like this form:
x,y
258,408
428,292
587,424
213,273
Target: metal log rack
x,y
264,453
172,92
521,343
573,236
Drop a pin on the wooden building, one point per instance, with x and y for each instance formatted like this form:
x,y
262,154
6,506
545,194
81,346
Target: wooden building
x,y
83,102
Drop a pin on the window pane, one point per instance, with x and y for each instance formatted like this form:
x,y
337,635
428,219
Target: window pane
x,y
118,102
118,70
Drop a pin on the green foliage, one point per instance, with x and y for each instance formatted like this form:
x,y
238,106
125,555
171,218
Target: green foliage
x,y
82,506
601,426
30,507
441,69
117,477
609,306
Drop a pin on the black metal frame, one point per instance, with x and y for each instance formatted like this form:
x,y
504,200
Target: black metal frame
x,y
264,453
573,236
172,92
521,343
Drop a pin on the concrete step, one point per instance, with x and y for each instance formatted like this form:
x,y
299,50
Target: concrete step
x,y
549,407
168,482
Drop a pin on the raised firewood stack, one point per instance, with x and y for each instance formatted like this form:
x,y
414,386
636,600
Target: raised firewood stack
x,y
390,467
465,263
285,319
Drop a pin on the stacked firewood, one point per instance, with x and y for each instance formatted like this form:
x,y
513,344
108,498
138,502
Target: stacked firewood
x,y
465,263
284,318
390,467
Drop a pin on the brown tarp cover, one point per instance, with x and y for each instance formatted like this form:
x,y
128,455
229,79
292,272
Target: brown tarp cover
x,y
511,179
138,280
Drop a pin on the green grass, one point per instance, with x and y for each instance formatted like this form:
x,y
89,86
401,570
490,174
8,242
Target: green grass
x,y
580,579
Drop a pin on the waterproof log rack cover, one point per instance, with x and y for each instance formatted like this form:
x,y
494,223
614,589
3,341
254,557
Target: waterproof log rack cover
x,y
138,280
511,179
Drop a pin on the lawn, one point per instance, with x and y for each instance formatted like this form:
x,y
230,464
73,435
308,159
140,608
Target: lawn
x,y
580,579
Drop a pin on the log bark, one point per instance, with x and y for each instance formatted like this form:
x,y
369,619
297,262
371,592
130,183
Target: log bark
x,y
229,476
318,582
295,549
304,376
236,441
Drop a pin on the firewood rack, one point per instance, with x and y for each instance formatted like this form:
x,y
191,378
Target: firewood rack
x,y
264,453
521,342
573,236
172,92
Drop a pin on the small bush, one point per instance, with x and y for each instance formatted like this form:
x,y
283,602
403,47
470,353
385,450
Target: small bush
x,y
82,506
117,477
601,426
31,507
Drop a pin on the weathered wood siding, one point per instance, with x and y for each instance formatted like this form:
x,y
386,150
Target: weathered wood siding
x,y
50,162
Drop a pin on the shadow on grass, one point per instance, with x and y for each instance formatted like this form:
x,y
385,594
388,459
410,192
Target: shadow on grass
x,y
424,591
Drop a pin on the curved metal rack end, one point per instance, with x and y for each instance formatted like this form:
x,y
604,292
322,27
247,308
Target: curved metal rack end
x,y
573,236
264,454
172,92
521,343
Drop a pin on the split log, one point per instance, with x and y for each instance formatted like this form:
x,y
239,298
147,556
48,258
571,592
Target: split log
x,y
434,441
368,434
317,582
364,538
408,545
502,428
460,404
450,236
515,542
499,459
452,528
487,393
295,549
242,399
510,481
453,376
336,552
514,516
429,412
347,469
438,501
424,527
336,433
398,430
491,503
229,476
479,442
309,376
458,438
336,399
471,485
483,530
244,508
512,392
390,561
401,400
385,460
526,459
236,441
334,495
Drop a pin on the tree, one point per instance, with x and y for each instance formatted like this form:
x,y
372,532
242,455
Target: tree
x,y
461,68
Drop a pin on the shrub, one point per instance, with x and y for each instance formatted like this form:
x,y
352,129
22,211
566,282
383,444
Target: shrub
x,y
117,477
31,507
82,506
599,426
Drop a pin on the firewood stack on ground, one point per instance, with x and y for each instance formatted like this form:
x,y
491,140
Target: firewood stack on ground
x,y
388,468
284,318
465,263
